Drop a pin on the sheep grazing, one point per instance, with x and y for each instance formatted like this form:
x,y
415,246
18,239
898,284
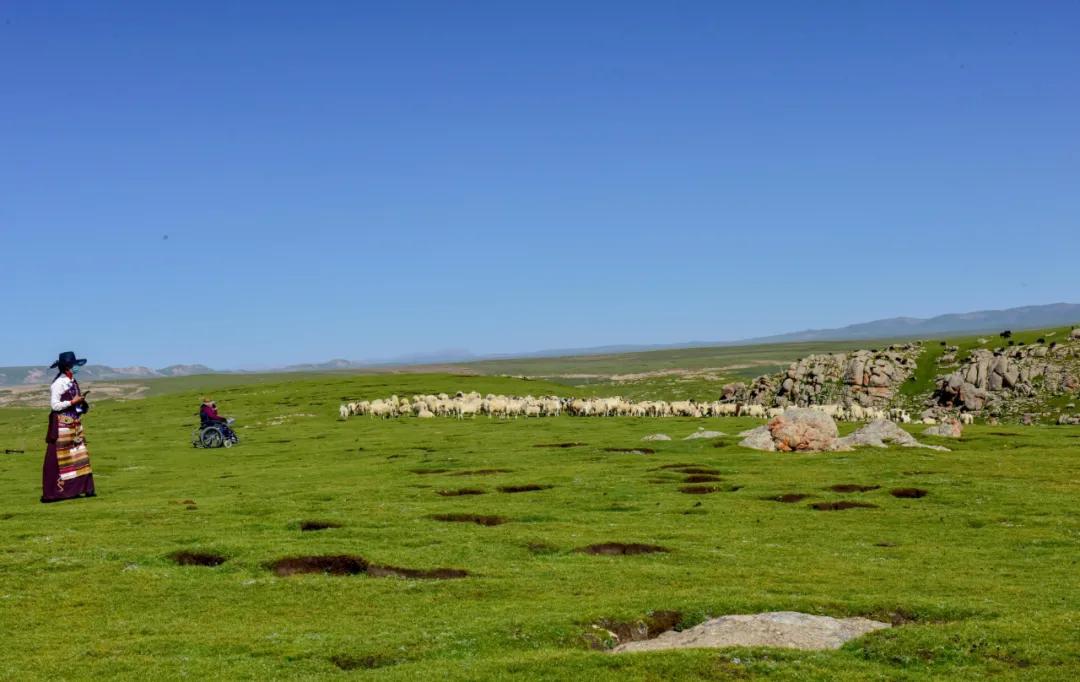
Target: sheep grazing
x,y
472,405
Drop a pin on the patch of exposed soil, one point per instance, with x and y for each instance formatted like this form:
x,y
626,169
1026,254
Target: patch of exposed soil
x,y
528,487
621,548
559,445
852,488
702,478
622,631
307,526
913,493
346,662
340,564
787,498
470,518
842,504
460,492
346,564
424,472
197,559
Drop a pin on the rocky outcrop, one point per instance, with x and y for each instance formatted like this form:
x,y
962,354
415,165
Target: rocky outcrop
x,y
996,378
870,378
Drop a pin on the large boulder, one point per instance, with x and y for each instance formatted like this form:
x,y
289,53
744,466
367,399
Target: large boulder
x,y
1075,334
780,629
880,434
803,429
950,428
758,439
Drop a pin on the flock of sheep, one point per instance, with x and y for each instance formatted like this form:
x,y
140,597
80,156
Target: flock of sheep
x,y
471,405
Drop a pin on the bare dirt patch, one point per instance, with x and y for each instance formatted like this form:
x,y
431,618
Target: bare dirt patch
x,y
852,488
622,548
308,526
528,487
346,564
621,631
841,505
460,492
705,471
702,478
424,472
559,445
340,564
347,662
187,558
913,493
470,518
787,498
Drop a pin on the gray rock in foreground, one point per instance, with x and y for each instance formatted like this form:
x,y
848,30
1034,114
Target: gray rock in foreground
x,y
880,434
758,439
702,433
782,629
657,436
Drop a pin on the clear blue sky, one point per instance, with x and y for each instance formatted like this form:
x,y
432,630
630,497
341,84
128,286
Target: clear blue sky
x,y
366,180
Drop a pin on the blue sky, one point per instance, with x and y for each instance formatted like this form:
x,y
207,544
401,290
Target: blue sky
x,y
368,180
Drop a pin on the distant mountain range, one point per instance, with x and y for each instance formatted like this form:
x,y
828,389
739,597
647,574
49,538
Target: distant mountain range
x,y
983,321
13,376
1027,317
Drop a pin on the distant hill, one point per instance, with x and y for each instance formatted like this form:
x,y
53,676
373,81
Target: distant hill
x,y
19,376
979,322
1027,317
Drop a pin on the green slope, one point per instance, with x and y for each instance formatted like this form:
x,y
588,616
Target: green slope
x,y
981,570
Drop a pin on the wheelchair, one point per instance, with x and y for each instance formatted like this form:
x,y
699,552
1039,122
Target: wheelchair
x,y
214,435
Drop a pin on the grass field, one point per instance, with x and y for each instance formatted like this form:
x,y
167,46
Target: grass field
x,y
982,572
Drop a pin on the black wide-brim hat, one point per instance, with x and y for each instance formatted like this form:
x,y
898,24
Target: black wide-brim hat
x,y
68,359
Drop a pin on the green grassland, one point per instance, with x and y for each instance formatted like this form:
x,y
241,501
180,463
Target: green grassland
x,y
746,362
982,572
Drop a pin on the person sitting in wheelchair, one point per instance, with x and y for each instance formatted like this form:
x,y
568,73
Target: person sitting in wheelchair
x,y
208,416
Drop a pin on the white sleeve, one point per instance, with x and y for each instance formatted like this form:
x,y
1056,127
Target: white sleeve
x,y
56,390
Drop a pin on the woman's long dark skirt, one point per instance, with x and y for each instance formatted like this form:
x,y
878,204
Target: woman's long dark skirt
x,y
50,475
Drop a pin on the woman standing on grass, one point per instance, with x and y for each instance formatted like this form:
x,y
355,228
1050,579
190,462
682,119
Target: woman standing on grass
x,y
66,472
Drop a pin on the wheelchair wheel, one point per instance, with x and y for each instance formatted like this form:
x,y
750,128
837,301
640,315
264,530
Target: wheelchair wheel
x,y
227,442
211,438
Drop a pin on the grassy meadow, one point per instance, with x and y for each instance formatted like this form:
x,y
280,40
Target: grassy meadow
x,y
980,574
